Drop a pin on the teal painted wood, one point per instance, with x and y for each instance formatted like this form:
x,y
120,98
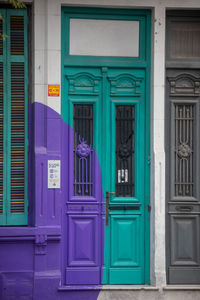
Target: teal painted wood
x,y
21,218
3,60
134,273
147,148
8,120
14,218
138,270
124,229
108,14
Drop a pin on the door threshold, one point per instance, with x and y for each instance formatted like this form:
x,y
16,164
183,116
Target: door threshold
x,y
84,287
182,287
128,287
108,287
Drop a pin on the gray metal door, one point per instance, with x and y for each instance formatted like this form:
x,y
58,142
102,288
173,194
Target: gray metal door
x,y
183,193
183,147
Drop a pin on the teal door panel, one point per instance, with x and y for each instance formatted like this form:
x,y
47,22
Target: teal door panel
x,y
125,276
126,262
118,99
125,240
124,165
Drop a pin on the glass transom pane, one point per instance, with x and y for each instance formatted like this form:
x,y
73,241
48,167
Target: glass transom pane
x,y
104,37
185,40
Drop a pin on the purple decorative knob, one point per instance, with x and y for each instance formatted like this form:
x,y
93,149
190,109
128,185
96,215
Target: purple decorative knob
x,y
83,150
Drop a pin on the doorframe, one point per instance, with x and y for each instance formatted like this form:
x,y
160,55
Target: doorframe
x,y
143,61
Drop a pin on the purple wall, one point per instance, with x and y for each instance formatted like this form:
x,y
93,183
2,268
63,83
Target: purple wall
x,y
33,259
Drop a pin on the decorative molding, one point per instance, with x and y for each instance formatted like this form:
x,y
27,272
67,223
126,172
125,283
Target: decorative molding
x,y
184,150
41,244
83,83
125,85
184,85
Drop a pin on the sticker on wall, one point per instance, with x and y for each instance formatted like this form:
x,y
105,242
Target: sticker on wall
x,y
53,174
53,90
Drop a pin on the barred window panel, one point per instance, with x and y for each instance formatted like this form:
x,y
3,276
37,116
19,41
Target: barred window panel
x,y
124,150
184,150
83,150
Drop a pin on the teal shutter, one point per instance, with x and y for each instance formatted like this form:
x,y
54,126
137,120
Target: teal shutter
x,y
15,120
3,118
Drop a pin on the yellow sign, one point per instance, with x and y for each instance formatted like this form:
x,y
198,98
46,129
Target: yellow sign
x,y
53,90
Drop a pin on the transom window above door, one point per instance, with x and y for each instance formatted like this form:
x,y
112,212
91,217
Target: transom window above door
x,y
104,37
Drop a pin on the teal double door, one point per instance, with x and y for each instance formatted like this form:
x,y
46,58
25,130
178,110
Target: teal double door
x,y
120,137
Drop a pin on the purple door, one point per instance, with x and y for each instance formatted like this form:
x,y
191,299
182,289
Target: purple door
x,y
84,201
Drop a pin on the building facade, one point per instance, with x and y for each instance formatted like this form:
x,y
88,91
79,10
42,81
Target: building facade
x,y
99,166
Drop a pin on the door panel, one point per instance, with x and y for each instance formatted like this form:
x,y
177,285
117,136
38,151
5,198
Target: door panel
x,y
185,240
125,240
183,235
82,231
106,154
127,276
124,234
84,208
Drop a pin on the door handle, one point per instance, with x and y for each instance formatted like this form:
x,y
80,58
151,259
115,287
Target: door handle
x,y
107,205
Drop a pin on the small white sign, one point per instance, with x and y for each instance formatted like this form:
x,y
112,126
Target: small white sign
x,y
126,175
53,174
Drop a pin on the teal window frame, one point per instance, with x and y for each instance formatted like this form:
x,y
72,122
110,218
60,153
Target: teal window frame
x,y
8,218
106,14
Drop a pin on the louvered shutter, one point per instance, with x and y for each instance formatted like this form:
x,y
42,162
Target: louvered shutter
x,y
16,101
2,122
1,139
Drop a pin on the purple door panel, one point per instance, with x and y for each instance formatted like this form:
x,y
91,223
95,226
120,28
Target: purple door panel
x,y
84,202
83,248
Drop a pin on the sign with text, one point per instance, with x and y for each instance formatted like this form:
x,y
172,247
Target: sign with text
x,y
53,174
53,90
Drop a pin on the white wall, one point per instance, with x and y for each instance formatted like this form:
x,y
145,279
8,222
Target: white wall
x,y
47,37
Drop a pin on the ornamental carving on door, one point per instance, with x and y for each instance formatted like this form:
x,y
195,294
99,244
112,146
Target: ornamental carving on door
x,y
125,85
184,84
184,150
83,83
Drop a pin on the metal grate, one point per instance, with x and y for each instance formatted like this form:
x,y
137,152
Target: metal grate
x,y
17,35
184,154
1,138
83,150
17,137
124,149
